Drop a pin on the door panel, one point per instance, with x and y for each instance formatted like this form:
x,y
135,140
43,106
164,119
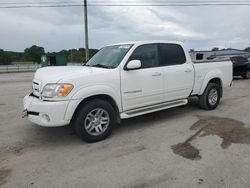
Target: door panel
x,y
178,74
144,86
178,81
141,87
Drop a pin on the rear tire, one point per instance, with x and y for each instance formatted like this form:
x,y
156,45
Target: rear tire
x,y
210,99
246,75
94,120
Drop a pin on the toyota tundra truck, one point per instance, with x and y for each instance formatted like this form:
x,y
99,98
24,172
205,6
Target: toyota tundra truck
x,y
123,81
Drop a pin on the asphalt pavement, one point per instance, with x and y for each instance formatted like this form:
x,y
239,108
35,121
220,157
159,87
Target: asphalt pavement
x,y
183,147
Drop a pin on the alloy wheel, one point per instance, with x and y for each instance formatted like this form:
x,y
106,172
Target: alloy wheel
x,y
97,122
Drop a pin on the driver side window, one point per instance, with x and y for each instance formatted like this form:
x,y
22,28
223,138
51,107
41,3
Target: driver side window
x,y
147,54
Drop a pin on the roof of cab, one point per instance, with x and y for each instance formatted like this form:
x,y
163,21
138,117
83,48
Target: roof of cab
x,y
147,42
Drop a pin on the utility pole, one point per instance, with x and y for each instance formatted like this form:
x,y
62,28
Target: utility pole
x,y
86,31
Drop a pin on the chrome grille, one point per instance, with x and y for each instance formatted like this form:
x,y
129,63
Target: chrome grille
x,y
36,89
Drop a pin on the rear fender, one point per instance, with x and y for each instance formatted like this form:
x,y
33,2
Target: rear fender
x,y
209,76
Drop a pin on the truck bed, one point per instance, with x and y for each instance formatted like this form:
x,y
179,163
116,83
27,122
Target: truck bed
x,y
206,70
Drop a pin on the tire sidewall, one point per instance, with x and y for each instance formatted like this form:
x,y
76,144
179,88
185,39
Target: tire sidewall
x,y
209,88
247,74
79,122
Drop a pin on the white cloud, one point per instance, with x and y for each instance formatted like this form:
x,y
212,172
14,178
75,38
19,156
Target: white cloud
x,y
58,28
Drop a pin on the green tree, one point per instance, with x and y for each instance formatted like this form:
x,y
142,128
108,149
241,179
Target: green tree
x,y
34,53
247,49
215,49
4,58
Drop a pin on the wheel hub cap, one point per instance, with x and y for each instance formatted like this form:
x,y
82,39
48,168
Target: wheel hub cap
x,y
96,122
213,96
248,74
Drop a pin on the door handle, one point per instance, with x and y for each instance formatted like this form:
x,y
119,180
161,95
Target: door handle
x,y
156,74
188,70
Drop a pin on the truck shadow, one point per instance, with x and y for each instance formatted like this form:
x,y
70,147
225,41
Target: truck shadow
x,y
66,136
36,137
239,78
150,120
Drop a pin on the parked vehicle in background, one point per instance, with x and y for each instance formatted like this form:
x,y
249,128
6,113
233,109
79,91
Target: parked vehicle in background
x,y
241,66
123,81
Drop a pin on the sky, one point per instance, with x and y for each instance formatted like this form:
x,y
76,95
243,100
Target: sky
x,y
200,28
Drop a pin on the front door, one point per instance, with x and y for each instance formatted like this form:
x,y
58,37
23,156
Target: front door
x,y
142,87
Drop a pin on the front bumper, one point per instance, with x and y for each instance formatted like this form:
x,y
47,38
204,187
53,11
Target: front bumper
x,y
45,113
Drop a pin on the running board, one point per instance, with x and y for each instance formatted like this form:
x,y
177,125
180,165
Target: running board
x,y
152,108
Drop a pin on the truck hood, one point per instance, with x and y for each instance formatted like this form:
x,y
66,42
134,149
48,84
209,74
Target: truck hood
x,y
55,74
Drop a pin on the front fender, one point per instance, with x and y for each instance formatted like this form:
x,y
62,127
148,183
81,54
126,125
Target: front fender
x,y
89,91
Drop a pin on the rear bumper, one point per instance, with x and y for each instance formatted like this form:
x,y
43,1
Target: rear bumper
x,y
43,113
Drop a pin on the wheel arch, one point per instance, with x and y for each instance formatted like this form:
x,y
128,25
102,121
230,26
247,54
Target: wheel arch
x,y
219,82
212,77
104,97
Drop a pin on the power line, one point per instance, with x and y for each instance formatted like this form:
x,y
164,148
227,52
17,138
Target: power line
x,y
189,3
124,5
129,2
168,4
126,2
44,2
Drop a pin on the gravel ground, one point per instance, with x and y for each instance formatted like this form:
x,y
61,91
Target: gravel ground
x,y
180,147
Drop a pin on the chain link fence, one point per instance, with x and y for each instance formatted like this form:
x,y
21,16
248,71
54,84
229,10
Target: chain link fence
x,y
19,68
25,67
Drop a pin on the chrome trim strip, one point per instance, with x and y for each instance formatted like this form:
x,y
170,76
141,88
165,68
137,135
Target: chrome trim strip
x,y
135,91
154,107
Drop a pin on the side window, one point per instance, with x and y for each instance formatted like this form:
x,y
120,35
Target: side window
x,y
242,59
199,56
147,54
171,54
233,59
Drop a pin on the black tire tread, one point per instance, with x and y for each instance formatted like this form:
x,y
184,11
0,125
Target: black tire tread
x,y
203,99
245,76
80,116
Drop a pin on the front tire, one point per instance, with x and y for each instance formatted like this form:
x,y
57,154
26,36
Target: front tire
x,y
210,99
246,75
94,120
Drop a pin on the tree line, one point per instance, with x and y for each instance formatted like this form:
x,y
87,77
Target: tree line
x,y
34,53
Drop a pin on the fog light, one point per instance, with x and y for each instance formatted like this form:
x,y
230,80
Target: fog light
x,y
45,118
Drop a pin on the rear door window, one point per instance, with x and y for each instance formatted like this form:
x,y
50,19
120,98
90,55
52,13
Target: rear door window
x,y
171,54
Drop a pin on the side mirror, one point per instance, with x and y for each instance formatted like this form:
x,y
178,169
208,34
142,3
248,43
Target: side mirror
x,y
133,65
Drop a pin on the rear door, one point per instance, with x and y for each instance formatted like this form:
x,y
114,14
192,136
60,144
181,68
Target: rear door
x,y
142,87
178,73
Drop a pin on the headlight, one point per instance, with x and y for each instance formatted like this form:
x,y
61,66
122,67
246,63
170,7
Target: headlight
x,y
56,90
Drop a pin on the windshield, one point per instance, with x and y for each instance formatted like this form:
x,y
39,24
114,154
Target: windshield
x,y
239,59
109,57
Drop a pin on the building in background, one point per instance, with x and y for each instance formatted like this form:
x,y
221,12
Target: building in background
x,y
198,56
53,59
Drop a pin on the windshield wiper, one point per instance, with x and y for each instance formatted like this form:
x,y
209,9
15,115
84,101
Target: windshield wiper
x,y
102,66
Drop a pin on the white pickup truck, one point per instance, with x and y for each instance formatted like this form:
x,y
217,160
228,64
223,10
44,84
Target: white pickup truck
x,y
122,81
